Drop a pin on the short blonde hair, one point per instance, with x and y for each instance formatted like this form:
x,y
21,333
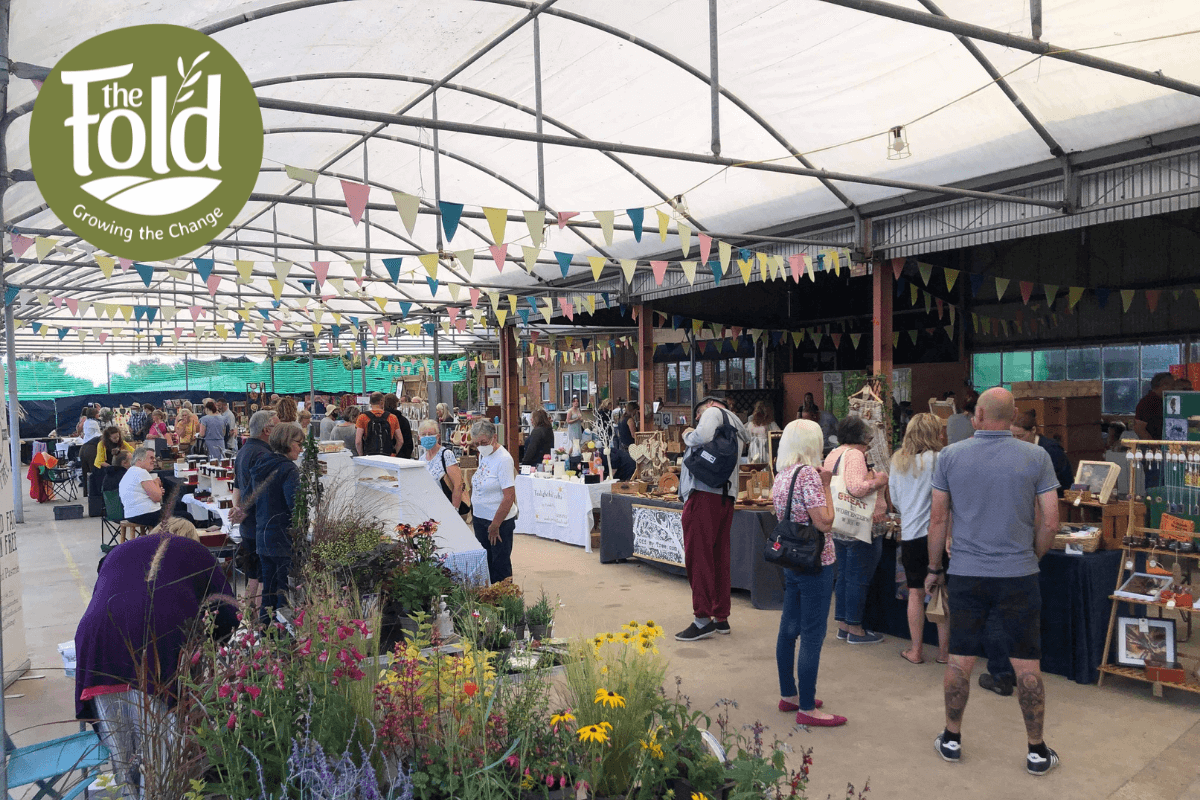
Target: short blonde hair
x,y
427,426
923,435
801,443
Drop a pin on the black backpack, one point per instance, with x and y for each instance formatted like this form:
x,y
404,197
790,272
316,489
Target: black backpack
x,y
713,462
377,439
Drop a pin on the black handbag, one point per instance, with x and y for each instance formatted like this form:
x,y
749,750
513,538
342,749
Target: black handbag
x,y
794,547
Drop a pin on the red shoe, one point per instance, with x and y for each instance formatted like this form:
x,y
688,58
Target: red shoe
x,y
787,707
814,722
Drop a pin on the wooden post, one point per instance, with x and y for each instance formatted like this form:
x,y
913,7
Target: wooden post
x,y
645,332
509,387
881,322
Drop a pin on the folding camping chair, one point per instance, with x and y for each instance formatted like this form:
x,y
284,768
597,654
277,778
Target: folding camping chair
x,y
47,763
64,482
110,523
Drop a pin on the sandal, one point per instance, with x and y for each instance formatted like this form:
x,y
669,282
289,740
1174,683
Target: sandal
x,y
939,661
904,655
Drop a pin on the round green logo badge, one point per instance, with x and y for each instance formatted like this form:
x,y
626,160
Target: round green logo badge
x,y
147,141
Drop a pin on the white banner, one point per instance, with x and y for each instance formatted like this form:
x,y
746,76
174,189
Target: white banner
x,y
16,657
550,503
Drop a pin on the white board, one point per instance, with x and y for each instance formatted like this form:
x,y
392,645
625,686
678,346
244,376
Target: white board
x,y
16,656
550,503
658,534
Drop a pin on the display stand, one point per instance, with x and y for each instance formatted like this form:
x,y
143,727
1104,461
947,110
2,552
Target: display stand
x,y
1177,495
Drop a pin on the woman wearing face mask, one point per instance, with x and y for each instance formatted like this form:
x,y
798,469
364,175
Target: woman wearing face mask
x,y
441,463
494,496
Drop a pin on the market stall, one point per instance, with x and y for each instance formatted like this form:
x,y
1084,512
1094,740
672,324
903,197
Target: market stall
x,y
632,526
562,510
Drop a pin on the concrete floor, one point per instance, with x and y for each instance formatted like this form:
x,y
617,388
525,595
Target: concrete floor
x,y
1116,742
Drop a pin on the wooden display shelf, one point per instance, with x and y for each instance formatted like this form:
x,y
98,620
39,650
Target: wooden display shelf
x,y
1139,674
1159,551
1112,518
1155,604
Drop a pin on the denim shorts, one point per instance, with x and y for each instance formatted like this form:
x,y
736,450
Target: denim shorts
x,y
1016,605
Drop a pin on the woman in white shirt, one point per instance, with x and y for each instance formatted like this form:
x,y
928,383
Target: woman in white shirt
x,y
494,500
441,463
142,492
911,488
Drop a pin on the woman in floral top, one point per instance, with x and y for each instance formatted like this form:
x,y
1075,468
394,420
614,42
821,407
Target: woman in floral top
x,y
806,598
187,425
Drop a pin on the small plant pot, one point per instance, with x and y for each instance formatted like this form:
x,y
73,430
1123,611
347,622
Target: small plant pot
x,y
519,632
539,632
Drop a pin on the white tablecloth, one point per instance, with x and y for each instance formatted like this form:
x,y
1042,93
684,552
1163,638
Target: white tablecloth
x,y
558,510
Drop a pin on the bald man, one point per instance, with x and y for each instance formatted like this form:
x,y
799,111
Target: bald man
x,y
1001,493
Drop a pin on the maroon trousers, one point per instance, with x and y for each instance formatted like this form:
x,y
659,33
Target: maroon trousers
x,y
707,518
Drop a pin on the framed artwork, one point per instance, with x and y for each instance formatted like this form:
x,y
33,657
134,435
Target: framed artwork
x,y
1143,586
942,409
1100,477
1141,639
774,437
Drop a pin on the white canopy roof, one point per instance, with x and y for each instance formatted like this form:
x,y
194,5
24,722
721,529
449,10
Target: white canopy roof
x,y
807,76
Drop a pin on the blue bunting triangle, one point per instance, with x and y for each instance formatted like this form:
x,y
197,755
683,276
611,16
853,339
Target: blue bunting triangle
x,y
303,347
337,330
900,286
158,340
37,326
62,333
433,284
523,313
264,312
451,212
564,261
237,328
429,328
307,285
151,313
393,268
354,321
532,302
636,216
607,304
776,337
1102,296
275,304
745,255
404,309
976,284
139,312
676,322
146,271
715,266
204,266
10,294
624,310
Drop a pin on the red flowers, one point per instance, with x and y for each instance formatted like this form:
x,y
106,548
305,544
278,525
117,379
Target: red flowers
x,y
232,723
254,692
470,688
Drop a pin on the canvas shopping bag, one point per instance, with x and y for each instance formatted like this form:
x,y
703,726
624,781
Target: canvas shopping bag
x,y
938,609
851,515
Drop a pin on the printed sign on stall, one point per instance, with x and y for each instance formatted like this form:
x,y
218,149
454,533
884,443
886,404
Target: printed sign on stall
x,y
16,658
658,534
550,503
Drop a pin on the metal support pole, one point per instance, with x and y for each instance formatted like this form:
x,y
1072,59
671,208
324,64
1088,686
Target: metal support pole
x,y
714,83
186,384
437,176
437,370
312,386
692,355
362,355
271,359
14,413
1035,18
107,374
537,108
366,212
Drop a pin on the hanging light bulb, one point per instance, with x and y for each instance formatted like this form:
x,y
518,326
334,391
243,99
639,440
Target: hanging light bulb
x,y
898,144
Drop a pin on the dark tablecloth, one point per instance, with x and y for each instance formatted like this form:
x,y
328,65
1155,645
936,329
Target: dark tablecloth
x,y
1075,608
747,536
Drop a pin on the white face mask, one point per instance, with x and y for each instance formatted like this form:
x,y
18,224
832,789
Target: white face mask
x,y
486,450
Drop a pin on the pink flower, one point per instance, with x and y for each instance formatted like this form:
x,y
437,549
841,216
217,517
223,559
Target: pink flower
x,y
550,781
257,713
195,658
224,691
300,617
253,691
305,647
232,723
323,657
362,627
513,761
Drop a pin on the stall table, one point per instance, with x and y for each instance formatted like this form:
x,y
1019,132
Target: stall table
x,y
747,536
1075,605
558,509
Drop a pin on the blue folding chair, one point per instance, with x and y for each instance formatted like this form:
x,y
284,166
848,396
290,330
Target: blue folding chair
x,y
50,765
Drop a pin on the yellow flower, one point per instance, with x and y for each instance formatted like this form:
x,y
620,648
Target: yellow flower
x,y
562,718
604,670
527,782
699,796
610,699
654,748
594,733
610,636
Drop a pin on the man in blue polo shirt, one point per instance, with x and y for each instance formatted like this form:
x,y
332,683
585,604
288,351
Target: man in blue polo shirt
x,y
260,427
1001,493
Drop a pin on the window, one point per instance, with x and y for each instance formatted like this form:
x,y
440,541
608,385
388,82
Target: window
x,y
1049,365
1083,364
735,373
575,385
545,391
679,383
1017,367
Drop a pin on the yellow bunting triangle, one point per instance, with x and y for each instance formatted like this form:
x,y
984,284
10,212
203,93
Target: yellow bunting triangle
x,y
501,316
531,256
1126,298
455,290
512,303
628,265
1074,295
696,325
43,247
43,298
951,275
763,266
724,250
591,303
300,174
1051,290
168,312
745,266
494,298
597,263
1001,287
467,259
357,265
689,271
244,268
497,219
547,310
912,293
536,222
178,274
413,328
408,206
276,288
664,221
808,264
797,338
605,218
106,265
926,271
430,262
282,268
928,301
127,312
338,284
222,331
316,328
685,239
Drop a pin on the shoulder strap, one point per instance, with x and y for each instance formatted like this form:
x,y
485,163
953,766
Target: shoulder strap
x,y
787,515
443,459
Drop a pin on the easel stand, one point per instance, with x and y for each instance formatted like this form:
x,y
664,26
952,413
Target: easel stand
x,y
1178,495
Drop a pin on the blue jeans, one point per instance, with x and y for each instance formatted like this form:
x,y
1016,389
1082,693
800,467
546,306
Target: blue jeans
x,y
856,566
805,617
499,555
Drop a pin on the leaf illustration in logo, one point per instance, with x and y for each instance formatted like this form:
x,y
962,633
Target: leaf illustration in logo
x,y
151,198
200,58
179,66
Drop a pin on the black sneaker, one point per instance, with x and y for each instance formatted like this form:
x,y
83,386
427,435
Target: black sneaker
x,y
868,637
1036,765
841,634
949,751
1001,684
722,627
695,634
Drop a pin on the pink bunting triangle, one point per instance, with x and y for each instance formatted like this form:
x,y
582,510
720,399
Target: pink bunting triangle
x,y
735,331
705,247
73,305
1026,291
563,216
534,336
660,271
837,340
328,343
214,280
568,308
499,254
102,336
359,281
460,324
320,270
531,359
474,297
452,312
196,311
1152,296
897,267
125,263
796,262
20,244
278,324
938,300
356,199
178,332
58,301
263,340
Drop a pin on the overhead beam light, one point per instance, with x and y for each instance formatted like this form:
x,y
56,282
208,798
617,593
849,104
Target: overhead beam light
x,y
898,144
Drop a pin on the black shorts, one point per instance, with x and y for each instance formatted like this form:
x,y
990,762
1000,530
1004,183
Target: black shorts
x,y
247,560
1016,603
914,557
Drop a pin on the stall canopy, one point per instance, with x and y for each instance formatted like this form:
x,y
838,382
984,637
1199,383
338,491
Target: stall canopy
x,y
547,152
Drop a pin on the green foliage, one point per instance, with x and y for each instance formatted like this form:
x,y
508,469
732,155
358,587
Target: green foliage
x,y
541,612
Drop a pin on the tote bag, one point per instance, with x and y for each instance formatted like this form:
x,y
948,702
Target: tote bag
x,y
851,515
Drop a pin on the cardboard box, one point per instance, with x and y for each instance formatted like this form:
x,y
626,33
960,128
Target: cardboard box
x,y
1062,410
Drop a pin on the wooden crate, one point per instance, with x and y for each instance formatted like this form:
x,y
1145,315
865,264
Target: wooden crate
x,y
1062,410
1076,438
1024,389
630,487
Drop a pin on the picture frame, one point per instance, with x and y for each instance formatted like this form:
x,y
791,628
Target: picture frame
x,y
773,438
1142,639
1100,477
1143,586
942,409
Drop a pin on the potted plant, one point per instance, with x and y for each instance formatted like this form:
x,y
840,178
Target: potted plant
x,y
540,617
512,609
